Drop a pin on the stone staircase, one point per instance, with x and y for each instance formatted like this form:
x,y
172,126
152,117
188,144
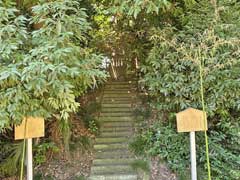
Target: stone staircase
x,y
112,158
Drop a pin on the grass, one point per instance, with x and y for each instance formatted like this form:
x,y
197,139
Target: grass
x,y
39,176
79,178
141,165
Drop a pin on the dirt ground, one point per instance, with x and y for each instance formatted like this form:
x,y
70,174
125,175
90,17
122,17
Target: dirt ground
x,y
79,164
77,167
160,171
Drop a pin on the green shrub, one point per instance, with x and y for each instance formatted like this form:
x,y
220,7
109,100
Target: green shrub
x,y
88,115
93,126
40,152
79,178
141,164
163,140
39,176
171,77
42,72
83,142
138,146
10,156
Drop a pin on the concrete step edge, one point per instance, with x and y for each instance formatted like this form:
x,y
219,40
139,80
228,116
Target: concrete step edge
x,y
120,118
97,162
109,140
106,105
116,130
112,169
107,120
110,146
116,134
114,177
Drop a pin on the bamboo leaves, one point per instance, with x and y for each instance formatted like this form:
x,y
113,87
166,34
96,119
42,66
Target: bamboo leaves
x,y
172,77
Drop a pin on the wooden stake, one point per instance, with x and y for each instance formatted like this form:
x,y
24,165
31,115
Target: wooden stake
x,y
29,160
193,156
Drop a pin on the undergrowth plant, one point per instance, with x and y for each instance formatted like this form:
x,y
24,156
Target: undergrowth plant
x,y
42,152
43,70
10,154
171,76
89,116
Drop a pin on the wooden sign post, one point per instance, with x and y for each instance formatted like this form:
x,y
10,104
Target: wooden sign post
x,y
191,120
30,128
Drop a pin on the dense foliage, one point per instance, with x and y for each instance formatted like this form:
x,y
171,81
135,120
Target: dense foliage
x,y
45,63
43,70
171,76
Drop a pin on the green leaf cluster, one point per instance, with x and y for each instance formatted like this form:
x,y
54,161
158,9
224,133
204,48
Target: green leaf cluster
x,y
208,33
135,7
41,152
42,71
10,154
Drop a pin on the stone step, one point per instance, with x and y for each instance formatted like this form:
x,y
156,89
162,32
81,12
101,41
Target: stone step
x,y
116,114
116,154
111,169
119,98
117,101
114,177
98,162
124,85
112,158
122,82
104,147
117,109
116,124
109,140
115,119
113,155
115,129
119,86
118,91
118,105
115,95
116,134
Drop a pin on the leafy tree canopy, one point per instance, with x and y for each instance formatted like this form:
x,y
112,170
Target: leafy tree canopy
x,y
42,71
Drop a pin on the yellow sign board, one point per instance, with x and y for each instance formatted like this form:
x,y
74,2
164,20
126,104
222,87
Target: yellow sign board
x,y
30,127
191,120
